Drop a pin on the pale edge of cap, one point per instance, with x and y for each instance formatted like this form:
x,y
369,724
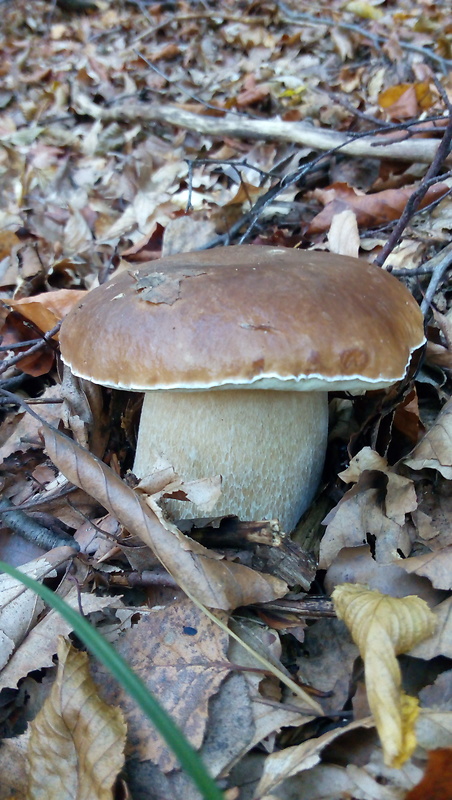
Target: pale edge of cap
x,y
314,382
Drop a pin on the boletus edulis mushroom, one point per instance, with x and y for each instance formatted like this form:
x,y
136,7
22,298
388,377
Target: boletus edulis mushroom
x,y
236,349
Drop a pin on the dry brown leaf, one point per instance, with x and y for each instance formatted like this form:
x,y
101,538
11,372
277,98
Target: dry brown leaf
x,y
405,100
164,482
76,746
436,566
327,669
39,647
440,644
377,505
13,764
384,627
16,329
48,308
19,606
213,582
356,565
434,728
182,658
288,762
24,429
370,209
343,235
434,451
437,780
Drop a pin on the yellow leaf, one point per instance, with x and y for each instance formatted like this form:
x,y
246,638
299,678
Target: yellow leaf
x,y
383,627
392,95
76,746
363,9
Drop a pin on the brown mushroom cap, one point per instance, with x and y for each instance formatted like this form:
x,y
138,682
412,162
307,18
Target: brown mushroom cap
x,y
245,316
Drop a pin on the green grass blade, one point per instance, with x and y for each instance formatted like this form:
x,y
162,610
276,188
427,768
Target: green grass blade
x,y
133,685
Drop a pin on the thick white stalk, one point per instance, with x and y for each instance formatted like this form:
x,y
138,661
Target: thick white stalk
x,y
269,447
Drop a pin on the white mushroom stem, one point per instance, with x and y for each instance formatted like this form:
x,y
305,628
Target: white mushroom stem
x,y
269,447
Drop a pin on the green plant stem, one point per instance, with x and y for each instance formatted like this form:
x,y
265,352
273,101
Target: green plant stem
x,y
133,685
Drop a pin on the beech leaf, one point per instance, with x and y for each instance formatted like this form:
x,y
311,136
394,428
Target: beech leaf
x,y
76,746
383,627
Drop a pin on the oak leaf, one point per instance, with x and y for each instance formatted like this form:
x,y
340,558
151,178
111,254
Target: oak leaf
x,y
434,451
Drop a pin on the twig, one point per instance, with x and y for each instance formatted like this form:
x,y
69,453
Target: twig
x,y
441,263
425,269
303,712
17,345
9,362
301,133
414,200
29,529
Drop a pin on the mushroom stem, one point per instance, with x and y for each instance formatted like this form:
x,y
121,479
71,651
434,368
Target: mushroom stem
x,y
269,447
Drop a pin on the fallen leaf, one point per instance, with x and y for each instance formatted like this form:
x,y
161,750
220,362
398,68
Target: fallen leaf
x,y
440,643
434,451
405,100
24,429
436,566
288,762
214,582
182,658
47,309
383,627
76,746
13,765
40,645
370,209
437,781
356,565
377,506
19,606
364,9
343,235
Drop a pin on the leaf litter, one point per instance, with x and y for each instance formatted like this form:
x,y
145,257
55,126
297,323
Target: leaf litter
x,y
141,130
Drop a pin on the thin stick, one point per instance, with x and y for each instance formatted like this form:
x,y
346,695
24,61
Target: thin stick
x,y
29,529
442,262
375,144
414,200
9,362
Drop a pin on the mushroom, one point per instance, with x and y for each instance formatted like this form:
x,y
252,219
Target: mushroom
x,y
236,349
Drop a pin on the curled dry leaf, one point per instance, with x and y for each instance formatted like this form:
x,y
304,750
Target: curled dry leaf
x,y
19,607
436,566
370,209
440,644
288,762
76,746
384,627
48,308
164,482
213,582
343,235
434,451
376,505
